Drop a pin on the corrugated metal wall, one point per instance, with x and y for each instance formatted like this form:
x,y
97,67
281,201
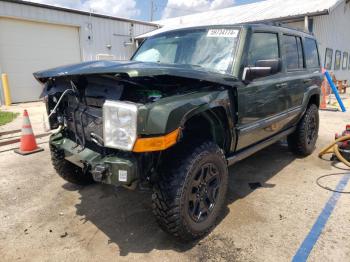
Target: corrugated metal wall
x,y
97,35
333,31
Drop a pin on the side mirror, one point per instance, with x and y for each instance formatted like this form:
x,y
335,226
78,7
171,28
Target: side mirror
x,y
262,68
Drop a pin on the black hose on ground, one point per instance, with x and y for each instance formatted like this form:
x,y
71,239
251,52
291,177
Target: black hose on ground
x,y
328,188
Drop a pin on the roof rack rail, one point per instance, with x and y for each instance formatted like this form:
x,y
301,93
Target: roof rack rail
x,y
280,24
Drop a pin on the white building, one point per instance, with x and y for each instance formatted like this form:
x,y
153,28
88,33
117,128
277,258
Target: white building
x,y
35,37
329,20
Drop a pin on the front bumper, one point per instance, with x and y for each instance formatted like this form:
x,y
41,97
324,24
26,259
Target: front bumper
x,y
111,169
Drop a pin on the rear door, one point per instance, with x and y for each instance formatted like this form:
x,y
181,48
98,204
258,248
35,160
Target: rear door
x,y
302,71
294,66
313,77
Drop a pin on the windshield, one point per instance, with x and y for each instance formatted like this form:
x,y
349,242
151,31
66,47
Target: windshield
x,y
212,49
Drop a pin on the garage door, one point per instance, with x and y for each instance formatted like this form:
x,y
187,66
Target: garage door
x,y
26,47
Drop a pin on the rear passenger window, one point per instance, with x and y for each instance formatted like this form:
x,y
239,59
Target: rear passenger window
x,y
311,53
263,46
293,52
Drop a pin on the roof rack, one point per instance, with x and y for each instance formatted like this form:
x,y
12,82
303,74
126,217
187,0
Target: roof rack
x,y
280,24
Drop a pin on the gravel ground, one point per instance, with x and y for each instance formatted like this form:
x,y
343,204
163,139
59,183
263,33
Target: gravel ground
x,y
43,218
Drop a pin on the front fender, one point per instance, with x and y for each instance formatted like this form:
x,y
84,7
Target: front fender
x,y
169,113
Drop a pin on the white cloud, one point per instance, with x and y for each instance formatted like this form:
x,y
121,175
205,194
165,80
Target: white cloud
x,y
122,8
186,7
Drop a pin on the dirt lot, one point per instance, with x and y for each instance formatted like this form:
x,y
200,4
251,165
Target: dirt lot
x,y
43,218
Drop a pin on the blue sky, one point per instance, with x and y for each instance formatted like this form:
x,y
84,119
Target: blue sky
x,y
141,9
145,6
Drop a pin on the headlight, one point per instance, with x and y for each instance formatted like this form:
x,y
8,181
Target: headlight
x,y
119,128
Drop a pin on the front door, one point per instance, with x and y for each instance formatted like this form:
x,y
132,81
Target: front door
x,y
262,102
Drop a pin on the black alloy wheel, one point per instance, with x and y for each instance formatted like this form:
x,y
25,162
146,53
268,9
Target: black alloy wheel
x,y
204,192
190,195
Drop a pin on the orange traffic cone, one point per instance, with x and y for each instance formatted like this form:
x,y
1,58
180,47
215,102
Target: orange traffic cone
x,y
28,143
323,104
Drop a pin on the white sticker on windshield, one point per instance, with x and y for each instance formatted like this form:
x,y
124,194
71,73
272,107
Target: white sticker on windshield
x,y
222,32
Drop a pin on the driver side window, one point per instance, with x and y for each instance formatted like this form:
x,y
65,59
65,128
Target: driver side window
x,y
263,46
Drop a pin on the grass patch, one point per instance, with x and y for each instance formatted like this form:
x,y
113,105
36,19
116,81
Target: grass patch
x,y
7,117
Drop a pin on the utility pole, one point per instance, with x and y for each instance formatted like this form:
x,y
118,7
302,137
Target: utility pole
x,y
152,10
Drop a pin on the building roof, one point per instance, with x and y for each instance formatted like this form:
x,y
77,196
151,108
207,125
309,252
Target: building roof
x,y
69,10
269,10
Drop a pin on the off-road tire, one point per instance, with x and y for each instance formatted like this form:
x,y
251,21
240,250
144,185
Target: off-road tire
x,y
302,142
67,170
171,193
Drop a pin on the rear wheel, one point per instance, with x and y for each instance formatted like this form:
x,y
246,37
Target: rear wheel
x,y
67,170
302,142
190,196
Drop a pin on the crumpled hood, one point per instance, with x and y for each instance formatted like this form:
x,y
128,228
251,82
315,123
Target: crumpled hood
x,y
135,69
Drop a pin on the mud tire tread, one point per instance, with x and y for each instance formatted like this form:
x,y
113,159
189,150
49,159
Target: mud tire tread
x,y
168,191
297,141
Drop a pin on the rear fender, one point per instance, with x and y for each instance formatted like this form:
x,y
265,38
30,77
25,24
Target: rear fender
x,y
313,94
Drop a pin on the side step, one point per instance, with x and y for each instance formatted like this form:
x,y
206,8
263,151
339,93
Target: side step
x,y
255,148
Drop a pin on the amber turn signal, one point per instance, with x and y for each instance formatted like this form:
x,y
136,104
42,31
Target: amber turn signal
x,y
158,143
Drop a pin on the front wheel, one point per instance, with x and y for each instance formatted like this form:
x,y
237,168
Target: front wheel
x,y
302,142
189,197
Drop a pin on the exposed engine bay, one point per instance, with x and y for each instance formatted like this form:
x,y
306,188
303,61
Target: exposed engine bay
x,y
78,100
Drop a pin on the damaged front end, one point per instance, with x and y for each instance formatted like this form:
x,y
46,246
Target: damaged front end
x,y
99,125
115,168
115,125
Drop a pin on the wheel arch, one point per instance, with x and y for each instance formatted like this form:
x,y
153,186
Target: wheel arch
x,y
211,110
314,99
211,124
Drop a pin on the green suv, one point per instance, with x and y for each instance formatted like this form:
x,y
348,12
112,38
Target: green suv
x,y
189,103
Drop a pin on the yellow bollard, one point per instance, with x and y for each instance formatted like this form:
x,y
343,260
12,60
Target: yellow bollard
x,y
6,89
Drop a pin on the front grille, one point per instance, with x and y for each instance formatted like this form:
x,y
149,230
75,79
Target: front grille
x,y
83,122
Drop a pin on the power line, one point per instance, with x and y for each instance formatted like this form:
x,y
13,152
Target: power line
x,y
152,10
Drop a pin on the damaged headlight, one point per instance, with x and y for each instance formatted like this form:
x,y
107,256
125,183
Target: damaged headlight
x,y
119,130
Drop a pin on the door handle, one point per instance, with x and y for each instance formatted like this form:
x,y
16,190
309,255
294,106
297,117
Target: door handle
x,y
282,85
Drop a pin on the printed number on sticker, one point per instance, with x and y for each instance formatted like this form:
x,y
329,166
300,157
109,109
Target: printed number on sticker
x,y
123,176
222,33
